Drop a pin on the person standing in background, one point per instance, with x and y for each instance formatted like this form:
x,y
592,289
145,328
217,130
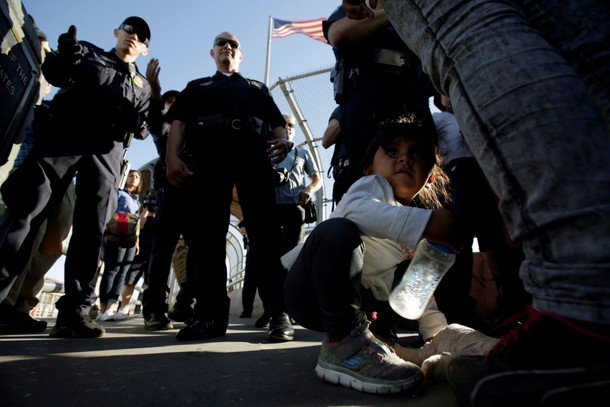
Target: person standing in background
x,y
173,219
292,191
118,257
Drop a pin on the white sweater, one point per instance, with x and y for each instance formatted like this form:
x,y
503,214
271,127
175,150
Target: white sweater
x,y
389,230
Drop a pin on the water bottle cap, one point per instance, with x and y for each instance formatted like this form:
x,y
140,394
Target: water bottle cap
x,y
441,247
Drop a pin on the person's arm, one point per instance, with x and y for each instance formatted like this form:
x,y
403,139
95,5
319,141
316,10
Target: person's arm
x,y
177,171
279,147
368,205
358,10
307,192
155,111
331,133
347,31
59,66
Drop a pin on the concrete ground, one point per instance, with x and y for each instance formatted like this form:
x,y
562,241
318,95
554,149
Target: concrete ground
x,y
130,366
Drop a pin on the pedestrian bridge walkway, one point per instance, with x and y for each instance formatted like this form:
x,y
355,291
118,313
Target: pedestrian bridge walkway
x,y
130,366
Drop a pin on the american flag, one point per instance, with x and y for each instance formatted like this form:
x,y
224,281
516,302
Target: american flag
x,y
311,28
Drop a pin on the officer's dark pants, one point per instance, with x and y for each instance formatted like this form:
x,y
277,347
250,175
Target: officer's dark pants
x,y
291,218
322,288
175,216
248,169
36,187
248,291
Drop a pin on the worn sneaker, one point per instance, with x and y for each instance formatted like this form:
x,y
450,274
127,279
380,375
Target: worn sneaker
x,y
76,326
121,314
544,354
366,364
108,315
157,322
280,329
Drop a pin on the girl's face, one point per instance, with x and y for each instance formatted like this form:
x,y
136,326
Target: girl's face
x,y
133,179
406,165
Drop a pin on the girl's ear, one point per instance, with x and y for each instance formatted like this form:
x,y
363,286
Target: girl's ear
x,y
368,170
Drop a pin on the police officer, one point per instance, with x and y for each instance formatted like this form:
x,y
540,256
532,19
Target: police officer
x,y
234,119
102,104
176,207
374,68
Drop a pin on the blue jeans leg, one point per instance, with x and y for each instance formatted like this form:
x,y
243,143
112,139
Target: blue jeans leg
x,y
536,129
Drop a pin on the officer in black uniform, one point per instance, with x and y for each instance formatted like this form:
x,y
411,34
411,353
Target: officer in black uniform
x,y
374,68
234,119
102,104
174,217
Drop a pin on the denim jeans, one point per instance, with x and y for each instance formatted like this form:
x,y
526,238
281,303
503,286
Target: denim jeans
x,y
118,261
529,84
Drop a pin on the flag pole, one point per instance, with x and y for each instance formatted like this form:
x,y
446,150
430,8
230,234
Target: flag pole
x,y
268,50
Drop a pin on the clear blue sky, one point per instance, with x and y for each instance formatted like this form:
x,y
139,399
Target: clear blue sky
x,y
181,37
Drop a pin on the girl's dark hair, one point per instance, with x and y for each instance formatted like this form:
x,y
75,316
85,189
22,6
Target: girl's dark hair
x,y
409,126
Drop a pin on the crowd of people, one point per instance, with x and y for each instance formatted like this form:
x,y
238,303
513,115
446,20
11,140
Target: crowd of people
x,y
517,157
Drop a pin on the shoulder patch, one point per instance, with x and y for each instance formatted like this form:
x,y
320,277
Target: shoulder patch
x,y
200,82
256,84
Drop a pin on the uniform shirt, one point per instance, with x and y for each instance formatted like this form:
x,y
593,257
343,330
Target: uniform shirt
x,y
361,53
298,162
231,97
100,98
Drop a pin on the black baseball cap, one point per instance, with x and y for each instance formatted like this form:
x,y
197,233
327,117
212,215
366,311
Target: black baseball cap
x,y
139,26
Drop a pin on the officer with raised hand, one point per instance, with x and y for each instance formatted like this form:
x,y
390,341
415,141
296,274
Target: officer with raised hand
x,y
103,102
235,117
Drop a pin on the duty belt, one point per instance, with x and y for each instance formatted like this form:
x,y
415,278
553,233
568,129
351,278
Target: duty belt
x,y
216,121
391,57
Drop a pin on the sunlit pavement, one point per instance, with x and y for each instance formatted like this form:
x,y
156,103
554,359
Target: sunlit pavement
x,y
131,366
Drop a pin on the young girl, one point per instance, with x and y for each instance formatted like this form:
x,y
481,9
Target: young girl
x,y
352,258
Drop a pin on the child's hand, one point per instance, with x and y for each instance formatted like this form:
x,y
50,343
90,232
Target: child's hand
x,y
443,228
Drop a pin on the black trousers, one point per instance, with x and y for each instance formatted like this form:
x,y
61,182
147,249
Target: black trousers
x,y
175,216
35,188
251,173
322,288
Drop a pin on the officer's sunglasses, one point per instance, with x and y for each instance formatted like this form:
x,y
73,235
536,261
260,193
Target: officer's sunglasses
x,y
221,42
134,30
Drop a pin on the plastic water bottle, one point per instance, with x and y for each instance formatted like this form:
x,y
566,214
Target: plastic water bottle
x,y
429,264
